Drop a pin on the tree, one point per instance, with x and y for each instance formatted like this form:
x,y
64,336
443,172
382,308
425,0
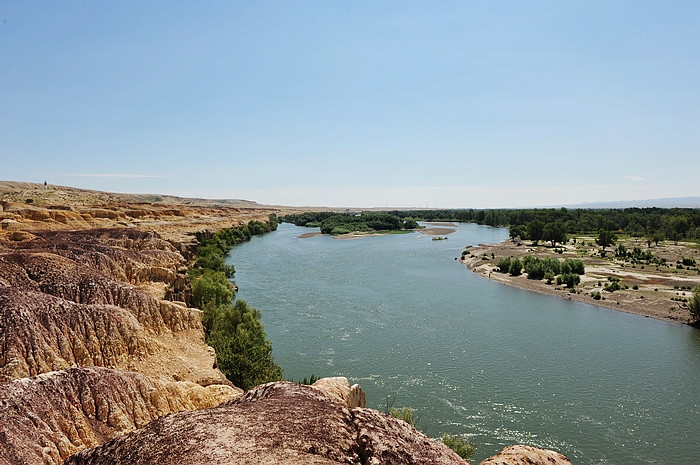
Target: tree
x,y
504,265
570,279
517,231
535,228
554,232
410,223
605,238
243,352
211,287
516,267
694,304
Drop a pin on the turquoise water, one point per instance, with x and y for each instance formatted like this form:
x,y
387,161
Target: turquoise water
x,y
398,315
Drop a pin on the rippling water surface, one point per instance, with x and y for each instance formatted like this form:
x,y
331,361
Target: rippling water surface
x,y
398,315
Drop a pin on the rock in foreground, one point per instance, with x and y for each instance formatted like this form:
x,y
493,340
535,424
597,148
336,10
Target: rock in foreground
x,y
46,418
526,455
276,423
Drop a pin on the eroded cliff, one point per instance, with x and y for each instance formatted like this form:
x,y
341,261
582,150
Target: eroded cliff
x,y
73,301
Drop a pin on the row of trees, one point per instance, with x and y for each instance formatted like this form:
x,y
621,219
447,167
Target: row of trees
x,y
537,230
664,223
568,271
231,326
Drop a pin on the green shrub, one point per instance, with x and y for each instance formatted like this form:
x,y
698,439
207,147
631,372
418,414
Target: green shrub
x,y
574,265
613,285
515,268
549,276
211,287
694,304
570,279
404,413
459,445
504,265
243,352
310,380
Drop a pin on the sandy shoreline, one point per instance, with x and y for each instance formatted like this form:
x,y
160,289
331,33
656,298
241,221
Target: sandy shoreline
x,y
653,297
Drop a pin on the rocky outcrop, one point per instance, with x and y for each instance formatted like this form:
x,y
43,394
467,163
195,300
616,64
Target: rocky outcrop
x,y
41,333
276,423
73,301
526,455
47,418
340,390
127,255
92,299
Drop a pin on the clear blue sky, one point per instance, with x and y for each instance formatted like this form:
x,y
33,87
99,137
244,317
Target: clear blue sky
x,y
393,103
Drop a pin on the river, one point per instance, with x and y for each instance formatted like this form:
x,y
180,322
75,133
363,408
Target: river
x,y
498,365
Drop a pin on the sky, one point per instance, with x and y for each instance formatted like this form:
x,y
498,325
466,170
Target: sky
x,y
466,104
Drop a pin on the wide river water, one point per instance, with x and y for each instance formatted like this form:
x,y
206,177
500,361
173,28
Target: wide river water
x,y
401,317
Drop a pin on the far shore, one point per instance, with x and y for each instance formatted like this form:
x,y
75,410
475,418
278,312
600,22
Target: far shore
x,y
658,294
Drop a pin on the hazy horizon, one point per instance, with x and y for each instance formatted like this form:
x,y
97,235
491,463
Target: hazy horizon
x,y
668,202
477,104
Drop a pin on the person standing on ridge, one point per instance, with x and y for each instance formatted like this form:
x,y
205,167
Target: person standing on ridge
x,y
46,186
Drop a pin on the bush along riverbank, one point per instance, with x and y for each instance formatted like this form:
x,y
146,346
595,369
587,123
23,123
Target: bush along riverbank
x,y
232,327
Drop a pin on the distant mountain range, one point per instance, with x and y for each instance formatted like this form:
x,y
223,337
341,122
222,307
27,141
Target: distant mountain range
x,y
677,202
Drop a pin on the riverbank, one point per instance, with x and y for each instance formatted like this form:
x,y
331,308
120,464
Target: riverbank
x,y
653,291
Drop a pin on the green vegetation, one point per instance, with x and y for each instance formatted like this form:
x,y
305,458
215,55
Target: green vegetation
x,y
232,328
694,304
459,445
346,223
404,413
515,268
570,279
537,268
503,265
605,238
614,284
243,352
309,381
554,232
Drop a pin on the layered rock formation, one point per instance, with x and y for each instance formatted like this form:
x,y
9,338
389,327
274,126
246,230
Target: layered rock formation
x,y
30,207
96,298
48,417
70,300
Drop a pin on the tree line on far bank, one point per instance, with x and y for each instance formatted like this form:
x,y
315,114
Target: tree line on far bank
x,y
652,224
231,326
656,224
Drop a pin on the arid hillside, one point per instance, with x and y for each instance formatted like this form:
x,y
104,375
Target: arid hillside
x,y
30,206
